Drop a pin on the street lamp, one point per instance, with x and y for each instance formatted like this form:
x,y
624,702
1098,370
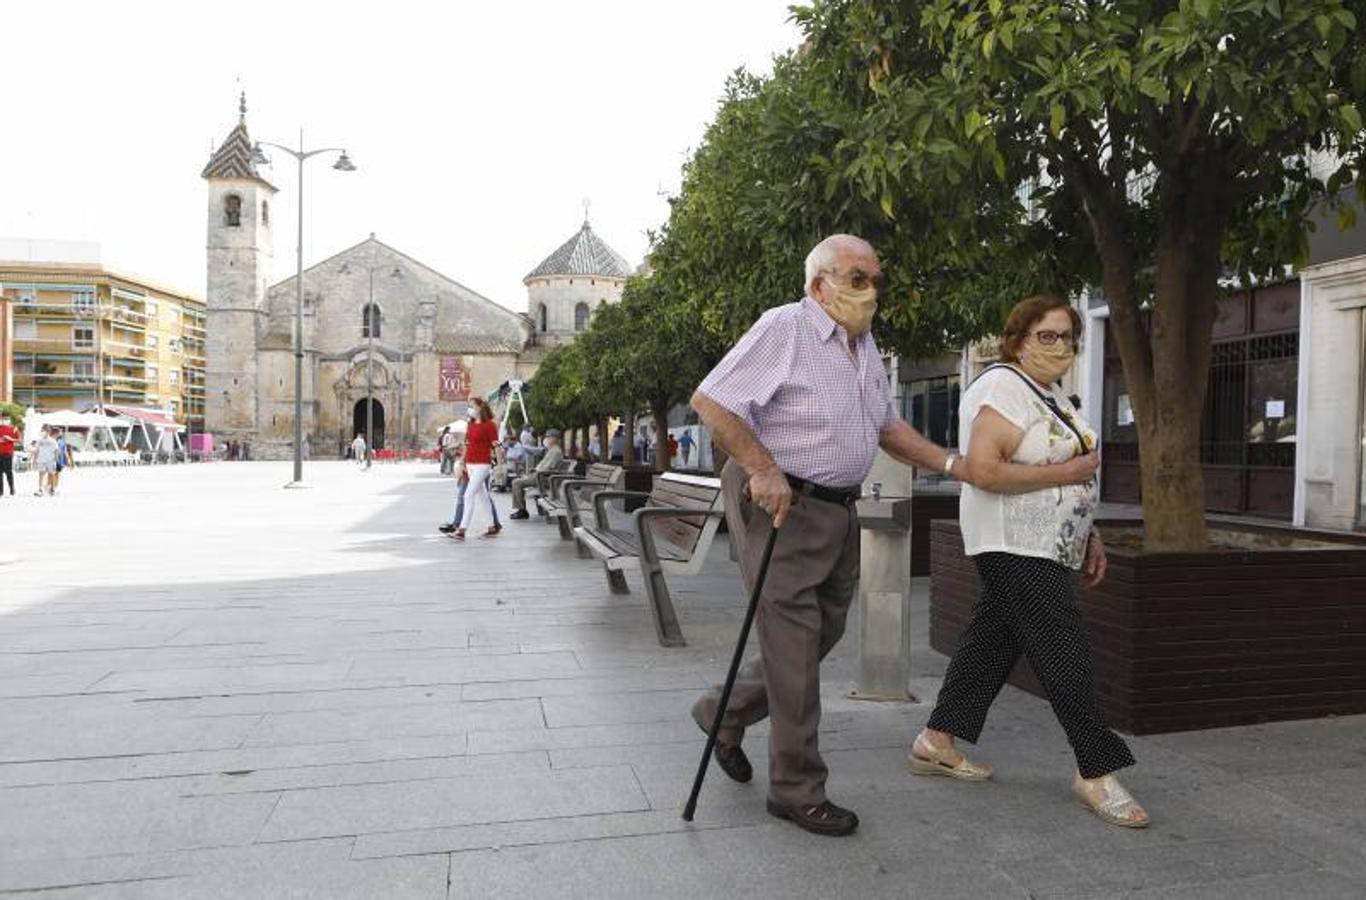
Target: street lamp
x,y
343,164
371,320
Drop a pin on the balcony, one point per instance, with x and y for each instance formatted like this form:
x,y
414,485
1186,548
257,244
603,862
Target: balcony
x,y
51,346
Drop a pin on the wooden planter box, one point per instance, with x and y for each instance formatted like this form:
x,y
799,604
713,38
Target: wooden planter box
x,y
1185,641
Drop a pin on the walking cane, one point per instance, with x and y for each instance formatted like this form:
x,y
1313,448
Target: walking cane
x,y
691,806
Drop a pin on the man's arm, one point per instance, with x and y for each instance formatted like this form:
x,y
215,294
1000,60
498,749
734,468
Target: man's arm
x,y
909,446
768,485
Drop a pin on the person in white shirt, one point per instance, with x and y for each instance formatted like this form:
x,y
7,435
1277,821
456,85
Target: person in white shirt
x,y
358,450
1026,516
45,452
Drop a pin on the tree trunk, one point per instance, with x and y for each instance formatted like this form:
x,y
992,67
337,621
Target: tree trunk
x,y
628,451
604,440
1166,365
663,459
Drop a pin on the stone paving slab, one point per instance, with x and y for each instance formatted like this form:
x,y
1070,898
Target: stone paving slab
x,y
312,694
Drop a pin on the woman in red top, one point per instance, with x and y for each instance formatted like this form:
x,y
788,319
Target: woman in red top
x,y
479,441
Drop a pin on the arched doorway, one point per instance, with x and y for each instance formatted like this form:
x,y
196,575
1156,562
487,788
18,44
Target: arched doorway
x,y
358,423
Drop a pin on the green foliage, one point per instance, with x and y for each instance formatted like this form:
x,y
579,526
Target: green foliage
x,y
1122,103
15,413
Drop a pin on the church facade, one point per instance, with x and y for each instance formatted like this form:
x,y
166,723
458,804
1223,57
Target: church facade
x,y
376,323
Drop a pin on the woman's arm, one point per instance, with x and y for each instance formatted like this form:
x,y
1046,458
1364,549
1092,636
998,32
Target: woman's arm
x,y
994,441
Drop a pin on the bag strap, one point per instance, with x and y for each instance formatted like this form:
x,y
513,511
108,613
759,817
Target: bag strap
x,y
1047,399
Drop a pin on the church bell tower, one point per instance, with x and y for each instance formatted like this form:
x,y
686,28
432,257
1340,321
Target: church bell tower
x,y
239,250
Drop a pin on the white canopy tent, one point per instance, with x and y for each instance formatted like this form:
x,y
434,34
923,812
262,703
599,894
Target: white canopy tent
x,y
94,435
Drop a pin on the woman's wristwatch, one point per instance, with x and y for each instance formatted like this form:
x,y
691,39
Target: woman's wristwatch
x,y
948,464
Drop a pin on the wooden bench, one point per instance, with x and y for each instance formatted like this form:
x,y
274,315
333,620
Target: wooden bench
x,y
670,534
542,488
568,493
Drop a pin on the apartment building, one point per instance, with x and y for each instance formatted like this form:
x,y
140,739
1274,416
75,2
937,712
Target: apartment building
x,y
85,335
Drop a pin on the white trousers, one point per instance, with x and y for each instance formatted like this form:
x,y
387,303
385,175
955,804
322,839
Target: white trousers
x,y
476,492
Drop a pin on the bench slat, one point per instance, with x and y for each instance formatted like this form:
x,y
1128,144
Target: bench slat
x,y
661,497
681,533
695,492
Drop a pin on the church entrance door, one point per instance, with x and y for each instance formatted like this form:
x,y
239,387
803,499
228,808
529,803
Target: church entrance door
x,y
358,422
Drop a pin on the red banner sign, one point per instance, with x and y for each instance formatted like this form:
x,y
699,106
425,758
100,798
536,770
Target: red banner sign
x,y
455,379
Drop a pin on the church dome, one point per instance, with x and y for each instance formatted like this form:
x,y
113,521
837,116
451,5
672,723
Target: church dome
x,y
585,254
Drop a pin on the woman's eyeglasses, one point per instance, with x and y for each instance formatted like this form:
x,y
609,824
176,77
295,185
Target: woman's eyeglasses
x,y
1049,338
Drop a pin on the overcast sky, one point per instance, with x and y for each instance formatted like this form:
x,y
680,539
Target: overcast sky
x,y
477,128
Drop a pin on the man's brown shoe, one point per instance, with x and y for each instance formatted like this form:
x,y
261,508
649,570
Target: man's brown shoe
x,y
733,761
825,819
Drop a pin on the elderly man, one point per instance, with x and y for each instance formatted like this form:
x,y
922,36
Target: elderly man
x,y
551,461
801,404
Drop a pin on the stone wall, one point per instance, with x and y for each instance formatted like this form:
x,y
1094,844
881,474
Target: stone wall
x,y
562,294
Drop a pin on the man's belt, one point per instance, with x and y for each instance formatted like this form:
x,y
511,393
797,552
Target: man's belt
x,y
842,496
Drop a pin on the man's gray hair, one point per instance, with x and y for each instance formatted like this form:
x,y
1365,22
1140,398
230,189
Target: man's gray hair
x,y
825,255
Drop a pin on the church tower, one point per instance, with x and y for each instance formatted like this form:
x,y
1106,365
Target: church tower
x,y
239,251
570,284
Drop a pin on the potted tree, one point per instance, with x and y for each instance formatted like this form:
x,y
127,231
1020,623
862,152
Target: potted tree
x,y
1164,150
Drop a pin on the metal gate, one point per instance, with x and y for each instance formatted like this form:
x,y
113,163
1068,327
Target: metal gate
x,y
1247,441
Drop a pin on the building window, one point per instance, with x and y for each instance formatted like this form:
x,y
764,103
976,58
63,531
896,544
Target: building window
x,y
25,330
265,212
83,302
540,317
371,321
175,376
232,211
153,342
82,337
82,371
581,317
152,373
152,310
27,298
173,345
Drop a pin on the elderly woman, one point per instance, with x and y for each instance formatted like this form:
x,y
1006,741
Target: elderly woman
x,y
1026,519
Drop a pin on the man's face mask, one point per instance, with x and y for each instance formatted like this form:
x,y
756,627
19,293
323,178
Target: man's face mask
x,y
854,303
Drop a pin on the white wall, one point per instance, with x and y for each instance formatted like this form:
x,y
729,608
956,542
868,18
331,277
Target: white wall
x,y
1329,431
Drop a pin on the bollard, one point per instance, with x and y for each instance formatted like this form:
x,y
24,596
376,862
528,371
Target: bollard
x,y
884,668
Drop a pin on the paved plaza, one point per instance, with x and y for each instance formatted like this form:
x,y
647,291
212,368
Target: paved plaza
x,y
213,687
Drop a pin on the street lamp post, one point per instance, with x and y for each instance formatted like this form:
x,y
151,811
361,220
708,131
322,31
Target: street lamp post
x,y
343,164
370,318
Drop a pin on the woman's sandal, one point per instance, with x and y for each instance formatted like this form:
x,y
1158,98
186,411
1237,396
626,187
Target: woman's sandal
x,y
457,535
1117,807
493,531
927,760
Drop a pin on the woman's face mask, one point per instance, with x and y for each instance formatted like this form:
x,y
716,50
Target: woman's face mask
x,y
1047,363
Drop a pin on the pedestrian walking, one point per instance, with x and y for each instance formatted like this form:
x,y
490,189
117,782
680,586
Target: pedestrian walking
x,y
551,461
462,482
43,452
801,404
1027,522
446,444
358,450
479,440
9,440
617,448
685,445
64,460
